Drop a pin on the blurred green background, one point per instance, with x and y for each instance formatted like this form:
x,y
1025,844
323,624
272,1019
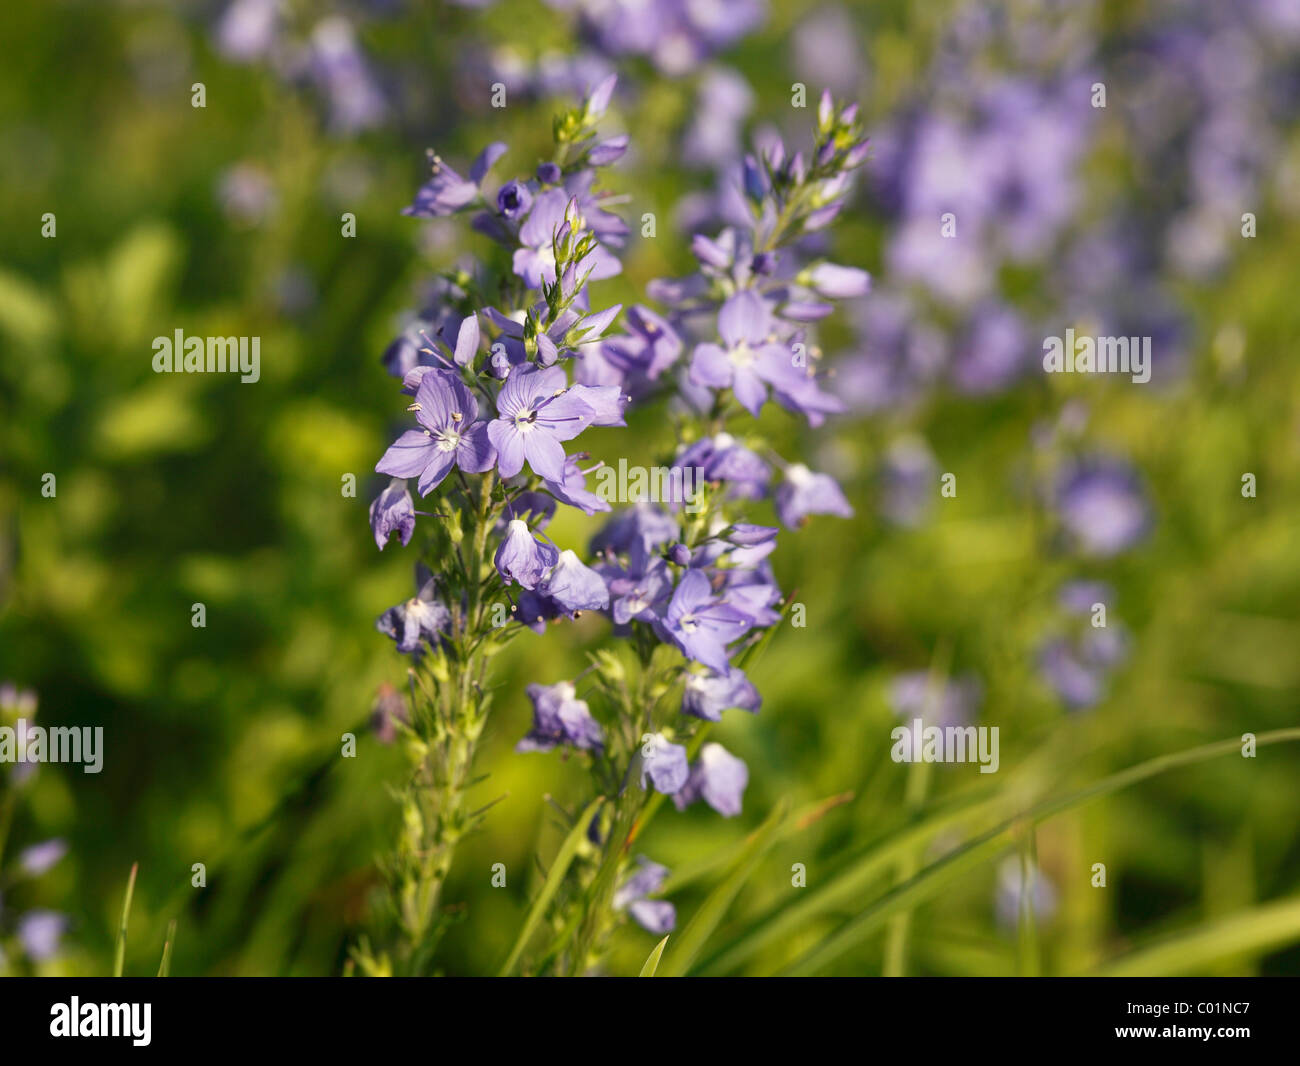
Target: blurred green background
x,y
222,743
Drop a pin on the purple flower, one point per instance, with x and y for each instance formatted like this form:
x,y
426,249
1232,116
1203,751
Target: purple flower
x,y
522,557
839,282
1102,507
559,717
702,625
339,69
536,411
393,511
513,199
451,436
655,916
422,616
535,261
607,152
534,610
35,860
446,192
664,764
915,695
908,472
748,358
573,586
248,29
639,592
572,488
649,348
1011,888
40,932
803,493
719,778
708,695
723,458
645,522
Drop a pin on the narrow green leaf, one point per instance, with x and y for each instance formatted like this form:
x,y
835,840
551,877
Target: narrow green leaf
x,y
934,877
1244,934
165,967
563,858
652,963
119,953
877,861
795,821
714,908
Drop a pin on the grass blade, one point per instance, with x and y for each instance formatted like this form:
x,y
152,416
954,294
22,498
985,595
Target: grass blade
x,y
1246,933
554,877
705,920
119,952
652,963
877,861
930,880
165,967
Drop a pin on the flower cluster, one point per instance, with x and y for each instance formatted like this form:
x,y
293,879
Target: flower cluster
x,y
510,366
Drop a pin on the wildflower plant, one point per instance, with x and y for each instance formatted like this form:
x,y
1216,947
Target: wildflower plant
x,y
516,362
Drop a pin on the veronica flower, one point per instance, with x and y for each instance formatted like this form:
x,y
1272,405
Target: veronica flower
x,y
723,458
639,592
38,858
446,192
559,717
535,261
40,933
707,695
650,347
719,778
645,522
422,616
451,435
917,694
573,586
513,199
700,624
534,610
248,29
524,558
664,764
803,493
393,511
535,412
1102,507
1011,888
748,359
572,488
656,916
340,71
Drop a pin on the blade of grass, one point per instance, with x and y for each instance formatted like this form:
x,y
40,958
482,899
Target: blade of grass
x,y
877,860
119,952
1246,933
932,878
165,967
652,963
559,867
705,920
795,822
